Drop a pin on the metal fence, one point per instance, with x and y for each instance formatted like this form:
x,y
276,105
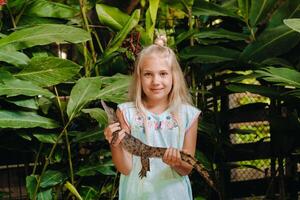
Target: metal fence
x,y
12,182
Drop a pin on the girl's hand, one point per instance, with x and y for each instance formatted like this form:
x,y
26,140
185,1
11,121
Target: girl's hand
x,y
172,157
109,130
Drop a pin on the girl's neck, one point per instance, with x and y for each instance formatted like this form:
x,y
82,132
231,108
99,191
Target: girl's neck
x,y
156,107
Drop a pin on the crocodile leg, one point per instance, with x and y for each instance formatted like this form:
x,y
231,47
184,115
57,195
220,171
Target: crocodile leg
x,y
145,166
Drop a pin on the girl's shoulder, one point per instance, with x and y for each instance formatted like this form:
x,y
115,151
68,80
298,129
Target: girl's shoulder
x,y
126,106
188,114
188,108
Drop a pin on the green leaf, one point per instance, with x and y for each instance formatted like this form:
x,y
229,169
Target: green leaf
x,y
18,119
244,6
151,14
276,62
210,9
271,43
117,41
14,87
51,178
45,195
93,135
73,190
209,54
107,80
25,103
259,10
185,35
289,9
98,114
295,93
31,182
29,21
48,71
221,33
115,92
91,170
85,90
43,8
293,24
49,138
111,16
281,76
88,193
13,57
43,34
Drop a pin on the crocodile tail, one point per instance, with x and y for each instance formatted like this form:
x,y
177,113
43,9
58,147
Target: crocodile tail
x,y
199,168
204,173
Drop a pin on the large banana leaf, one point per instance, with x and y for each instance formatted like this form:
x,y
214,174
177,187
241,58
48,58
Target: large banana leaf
x,y
111,16
43,8
271,43
280,76
11,86
18,119
85,90
117,41
42,35
13,57
209,54
48,71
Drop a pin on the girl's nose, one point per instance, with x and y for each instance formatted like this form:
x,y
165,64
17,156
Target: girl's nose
x,y
155,79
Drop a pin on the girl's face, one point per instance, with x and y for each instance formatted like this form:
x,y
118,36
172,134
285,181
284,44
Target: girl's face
x,y
156,79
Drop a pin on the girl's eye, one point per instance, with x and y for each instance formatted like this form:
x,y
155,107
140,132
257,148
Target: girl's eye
x,y
147,74
163,74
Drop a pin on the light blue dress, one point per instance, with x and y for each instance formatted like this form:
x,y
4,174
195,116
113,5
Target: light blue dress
x,y
162,182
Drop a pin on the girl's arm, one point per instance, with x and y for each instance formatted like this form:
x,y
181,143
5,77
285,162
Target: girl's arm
x,y
121,158
172,156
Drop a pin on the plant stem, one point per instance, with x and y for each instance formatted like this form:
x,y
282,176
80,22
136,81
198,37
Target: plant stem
x,y
67,138
47,160
87,28
11,17
37,158
69,157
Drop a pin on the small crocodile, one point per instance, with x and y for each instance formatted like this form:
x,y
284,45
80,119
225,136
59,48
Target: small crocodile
x,y
138,148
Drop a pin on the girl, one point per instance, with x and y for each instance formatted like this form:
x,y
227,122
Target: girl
x,y
160,115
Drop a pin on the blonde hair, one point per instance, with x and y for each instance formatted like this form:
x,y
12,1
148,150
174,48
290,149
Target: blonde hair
x,y
179,93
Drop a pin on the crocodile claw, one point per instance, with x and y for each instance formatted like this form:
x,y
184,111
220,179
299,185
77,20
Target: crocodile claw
x,y
142,173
